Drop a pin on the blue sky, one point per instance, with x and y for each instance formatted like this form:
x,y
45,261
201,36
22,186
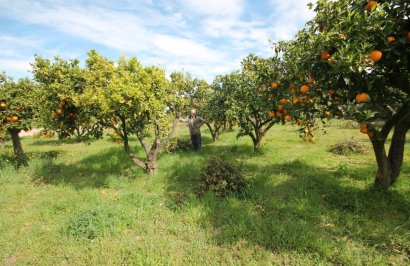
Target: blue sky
x,y
203,37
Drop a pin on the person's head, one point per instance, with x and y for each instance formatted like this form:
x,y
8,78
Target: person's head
x,y
193,113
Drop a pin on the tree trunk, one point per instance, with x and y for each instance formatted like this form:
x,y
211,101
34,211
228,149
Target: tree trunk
x,y
257,141
18,149
389,167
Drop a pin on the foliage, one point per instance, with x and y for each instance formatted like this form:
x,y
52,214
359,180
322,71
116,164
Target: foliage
x,y
178,144
16,104
221,176
62,84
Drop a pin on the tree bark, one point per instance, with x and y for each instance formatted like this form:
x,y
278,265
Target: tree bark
x,y
17,148
389,166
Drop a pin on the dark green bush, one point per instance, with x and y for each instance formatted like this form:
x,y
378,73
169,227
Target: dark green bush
x,y
222,176
175,145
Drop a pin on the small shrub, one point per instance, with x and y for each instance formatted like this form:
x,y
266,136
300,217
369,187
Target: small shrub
x,y
175,145
92,224
350,146
222,176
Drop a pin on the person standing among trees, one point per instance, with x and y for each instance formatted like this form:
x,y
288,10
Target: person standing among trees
x,y
194,123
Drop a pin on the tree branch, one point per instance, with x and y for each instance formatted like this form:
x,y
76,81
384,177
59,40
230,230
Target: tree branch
x,y
393,120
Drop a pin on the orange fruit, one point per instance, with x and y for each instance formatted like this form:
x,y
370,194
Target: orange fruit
x,y
362,97
342,36
390,39
280,107
283,100
278,114
310,81
274,85
325,55
311,140
59,111
331,91
370,134
376,55
14,118
304,89
326,113
295,100
371,5
62,103
271,114
3,105
288,118
19,108
363,128
53,114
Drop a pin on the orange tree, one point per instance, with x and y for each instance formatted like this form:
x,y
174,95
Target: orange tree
x,y
214,108
250,95
131,99
61,84
352,60
16,112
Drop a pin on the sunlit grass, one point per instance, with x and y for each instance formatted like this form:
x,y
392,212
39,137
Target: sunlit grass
x,y
81,203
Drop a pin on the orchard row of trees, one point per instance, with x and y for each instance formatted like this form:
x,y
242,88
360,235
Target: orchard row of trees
x,y
351,61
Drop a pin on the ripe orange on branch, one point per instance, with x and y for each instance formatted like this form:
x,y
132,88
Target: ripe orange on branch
x,y
390,39
3,105
375,56
14,118
274,85
362,97
271,114
310,81
304,89
371,5
325,55
331,91
288,118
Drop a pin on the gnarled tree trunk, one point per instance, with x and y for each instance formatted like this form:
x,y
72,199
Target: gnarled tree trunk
x,y
17,148
389,165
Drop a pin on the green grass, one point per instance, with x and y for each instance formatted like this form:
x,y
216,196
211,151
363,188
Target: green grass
x,y
81,203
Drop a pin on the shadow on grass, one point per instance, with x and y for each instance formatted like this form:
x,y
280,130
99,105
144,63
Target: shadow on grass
x,y
91,172
298,207
58,142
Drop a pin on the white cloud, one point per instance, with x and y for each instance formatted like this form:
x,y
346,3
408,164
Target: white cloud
x,y
289,16
204,37
16,65
229,8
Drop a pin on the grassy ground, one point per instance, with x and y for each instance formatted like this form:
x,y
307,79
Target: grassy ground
x,y
83,203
